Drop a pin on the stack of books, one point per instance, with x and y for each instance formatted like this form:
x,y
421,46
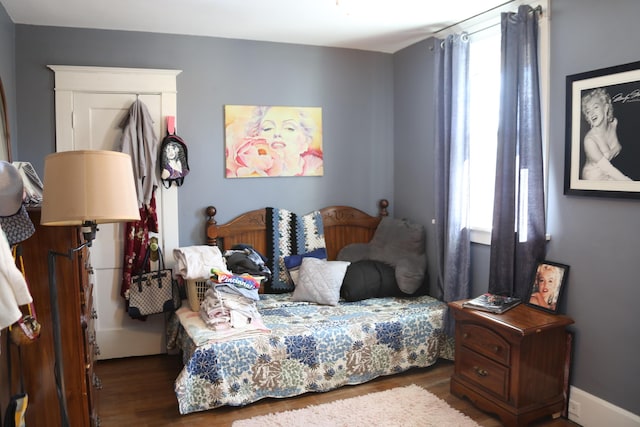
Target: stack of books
x,y
492,303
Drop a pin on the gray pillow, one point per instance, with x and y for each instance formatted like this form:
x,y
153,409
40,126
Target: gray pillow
x,y
400,244
354,252
319,281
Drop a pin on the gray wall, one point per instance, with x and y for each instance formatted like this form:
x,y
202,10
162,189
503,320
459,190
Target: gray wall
x,y
414,176
7,72
598,237
353,88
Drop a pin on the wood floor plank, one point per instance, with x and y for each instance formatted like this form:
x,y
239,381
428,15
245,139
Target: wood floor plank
x,y
138,391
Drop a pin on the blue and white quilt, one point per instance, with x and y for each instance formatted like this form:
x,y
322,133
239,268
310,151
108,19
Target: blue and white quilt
x,y
309,348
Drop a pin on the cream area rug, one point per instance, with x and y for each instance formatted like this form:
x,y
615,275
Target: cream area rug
x,y
403,406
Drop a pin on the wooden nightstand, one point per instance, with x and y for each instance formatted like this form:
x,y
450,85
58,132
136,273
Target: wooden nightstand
x,y
513,364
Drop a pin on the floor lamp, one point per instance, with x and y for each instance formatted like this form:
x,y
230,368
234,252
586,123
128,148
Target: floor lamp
x,y
83,188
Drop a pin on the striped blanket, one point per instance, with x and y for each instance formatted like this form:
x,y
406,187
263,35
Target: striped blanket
x,y
290,234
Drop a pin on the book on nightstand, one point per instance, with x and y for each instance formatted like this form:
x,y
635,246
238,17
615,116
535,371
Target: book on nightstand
x,y
492,303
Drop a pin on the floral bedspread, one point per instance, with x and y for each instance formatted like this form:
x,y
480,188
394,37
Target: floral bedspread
x,y
308,347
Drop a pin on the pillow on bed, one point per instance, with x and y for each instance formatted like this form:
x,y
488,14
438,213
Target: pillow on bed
x,y
399,243
319,281
292,262
369,279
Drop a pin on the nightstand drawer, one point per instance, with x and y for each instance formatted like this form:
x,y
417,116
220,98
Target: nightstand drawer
x,y
513,364
485,341
483,372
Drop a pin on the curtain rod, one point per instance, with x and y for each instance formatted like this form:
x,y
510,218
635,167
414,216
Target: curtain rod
x,y
537,9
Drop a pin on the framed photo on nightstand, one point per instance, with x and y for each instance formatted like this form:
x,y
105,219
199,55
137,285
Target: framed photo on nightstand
x,y
548,284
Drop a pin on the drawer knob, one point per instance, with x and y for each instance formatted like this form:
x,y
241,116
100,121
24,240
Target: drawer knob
x,y
465,335
97,382
480,372
496,349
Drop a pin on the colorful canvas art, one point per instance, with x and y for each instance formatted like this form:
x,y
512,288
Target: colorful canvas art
x,y
268,141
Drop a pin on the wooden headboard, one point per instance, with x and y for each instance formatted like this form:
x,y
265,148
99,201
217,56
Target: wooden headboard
x,y
343,225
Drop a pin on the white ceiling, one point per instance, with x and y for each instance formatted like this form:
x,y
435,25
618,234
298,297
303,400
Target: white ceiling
x,y
375,25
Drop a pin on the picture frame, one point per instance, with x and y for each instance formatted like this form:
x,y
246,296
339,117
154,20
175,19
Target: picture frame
x,y
547,286
273,141
611,98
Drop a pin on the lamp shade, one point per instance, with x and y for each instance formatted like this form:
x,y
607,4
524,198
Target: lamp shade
x,y
88,185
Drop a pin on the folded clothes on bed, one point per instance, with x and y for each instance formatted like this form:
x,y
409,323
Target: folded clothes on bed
x,y
222,310
196,262
244,281
200,334
231,289
216,317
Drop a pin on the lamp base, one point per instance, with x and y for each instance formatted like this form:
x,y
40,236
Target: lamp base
x,y
58,368
55,319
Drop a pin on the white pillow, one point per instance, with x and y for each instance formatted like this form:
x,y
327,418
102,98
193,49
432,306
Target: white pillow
x,y
319,281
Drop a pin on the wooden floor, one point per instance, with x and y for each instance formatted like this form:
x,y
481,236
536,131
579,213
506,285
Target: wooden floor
x,y
139,392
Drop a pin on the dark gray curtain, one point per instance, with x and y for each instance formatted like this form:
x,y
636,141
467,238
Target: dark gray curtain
x,y
452,168
518,233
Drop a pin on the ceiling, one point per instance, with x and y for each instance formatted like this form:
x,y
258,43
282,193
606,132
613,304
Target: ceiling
x,y
374,25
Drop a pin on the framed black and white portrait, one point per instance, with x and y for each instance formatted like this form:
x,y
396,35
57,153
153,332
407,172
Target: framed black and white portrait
x,y
602,155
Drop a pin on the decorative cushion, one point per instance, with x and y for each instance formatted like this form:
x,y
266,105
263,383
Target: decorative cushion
x,y
399,243
292,262
369,279
319,281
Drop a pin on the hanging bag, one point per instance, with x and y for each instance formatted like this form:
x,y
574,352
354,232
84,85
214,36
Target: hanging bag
x,y
17,407
174,160
27,329
153,292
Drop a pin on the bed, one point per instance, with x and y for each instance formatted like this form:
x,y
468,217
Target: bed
x,y
303,347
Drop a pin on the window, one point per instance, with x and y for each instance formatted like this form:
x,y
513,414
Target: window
x,y
484,86
484,104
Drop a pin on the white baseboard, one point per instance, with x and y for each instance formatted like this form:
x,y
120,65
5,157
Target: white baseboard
x,y
591,411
